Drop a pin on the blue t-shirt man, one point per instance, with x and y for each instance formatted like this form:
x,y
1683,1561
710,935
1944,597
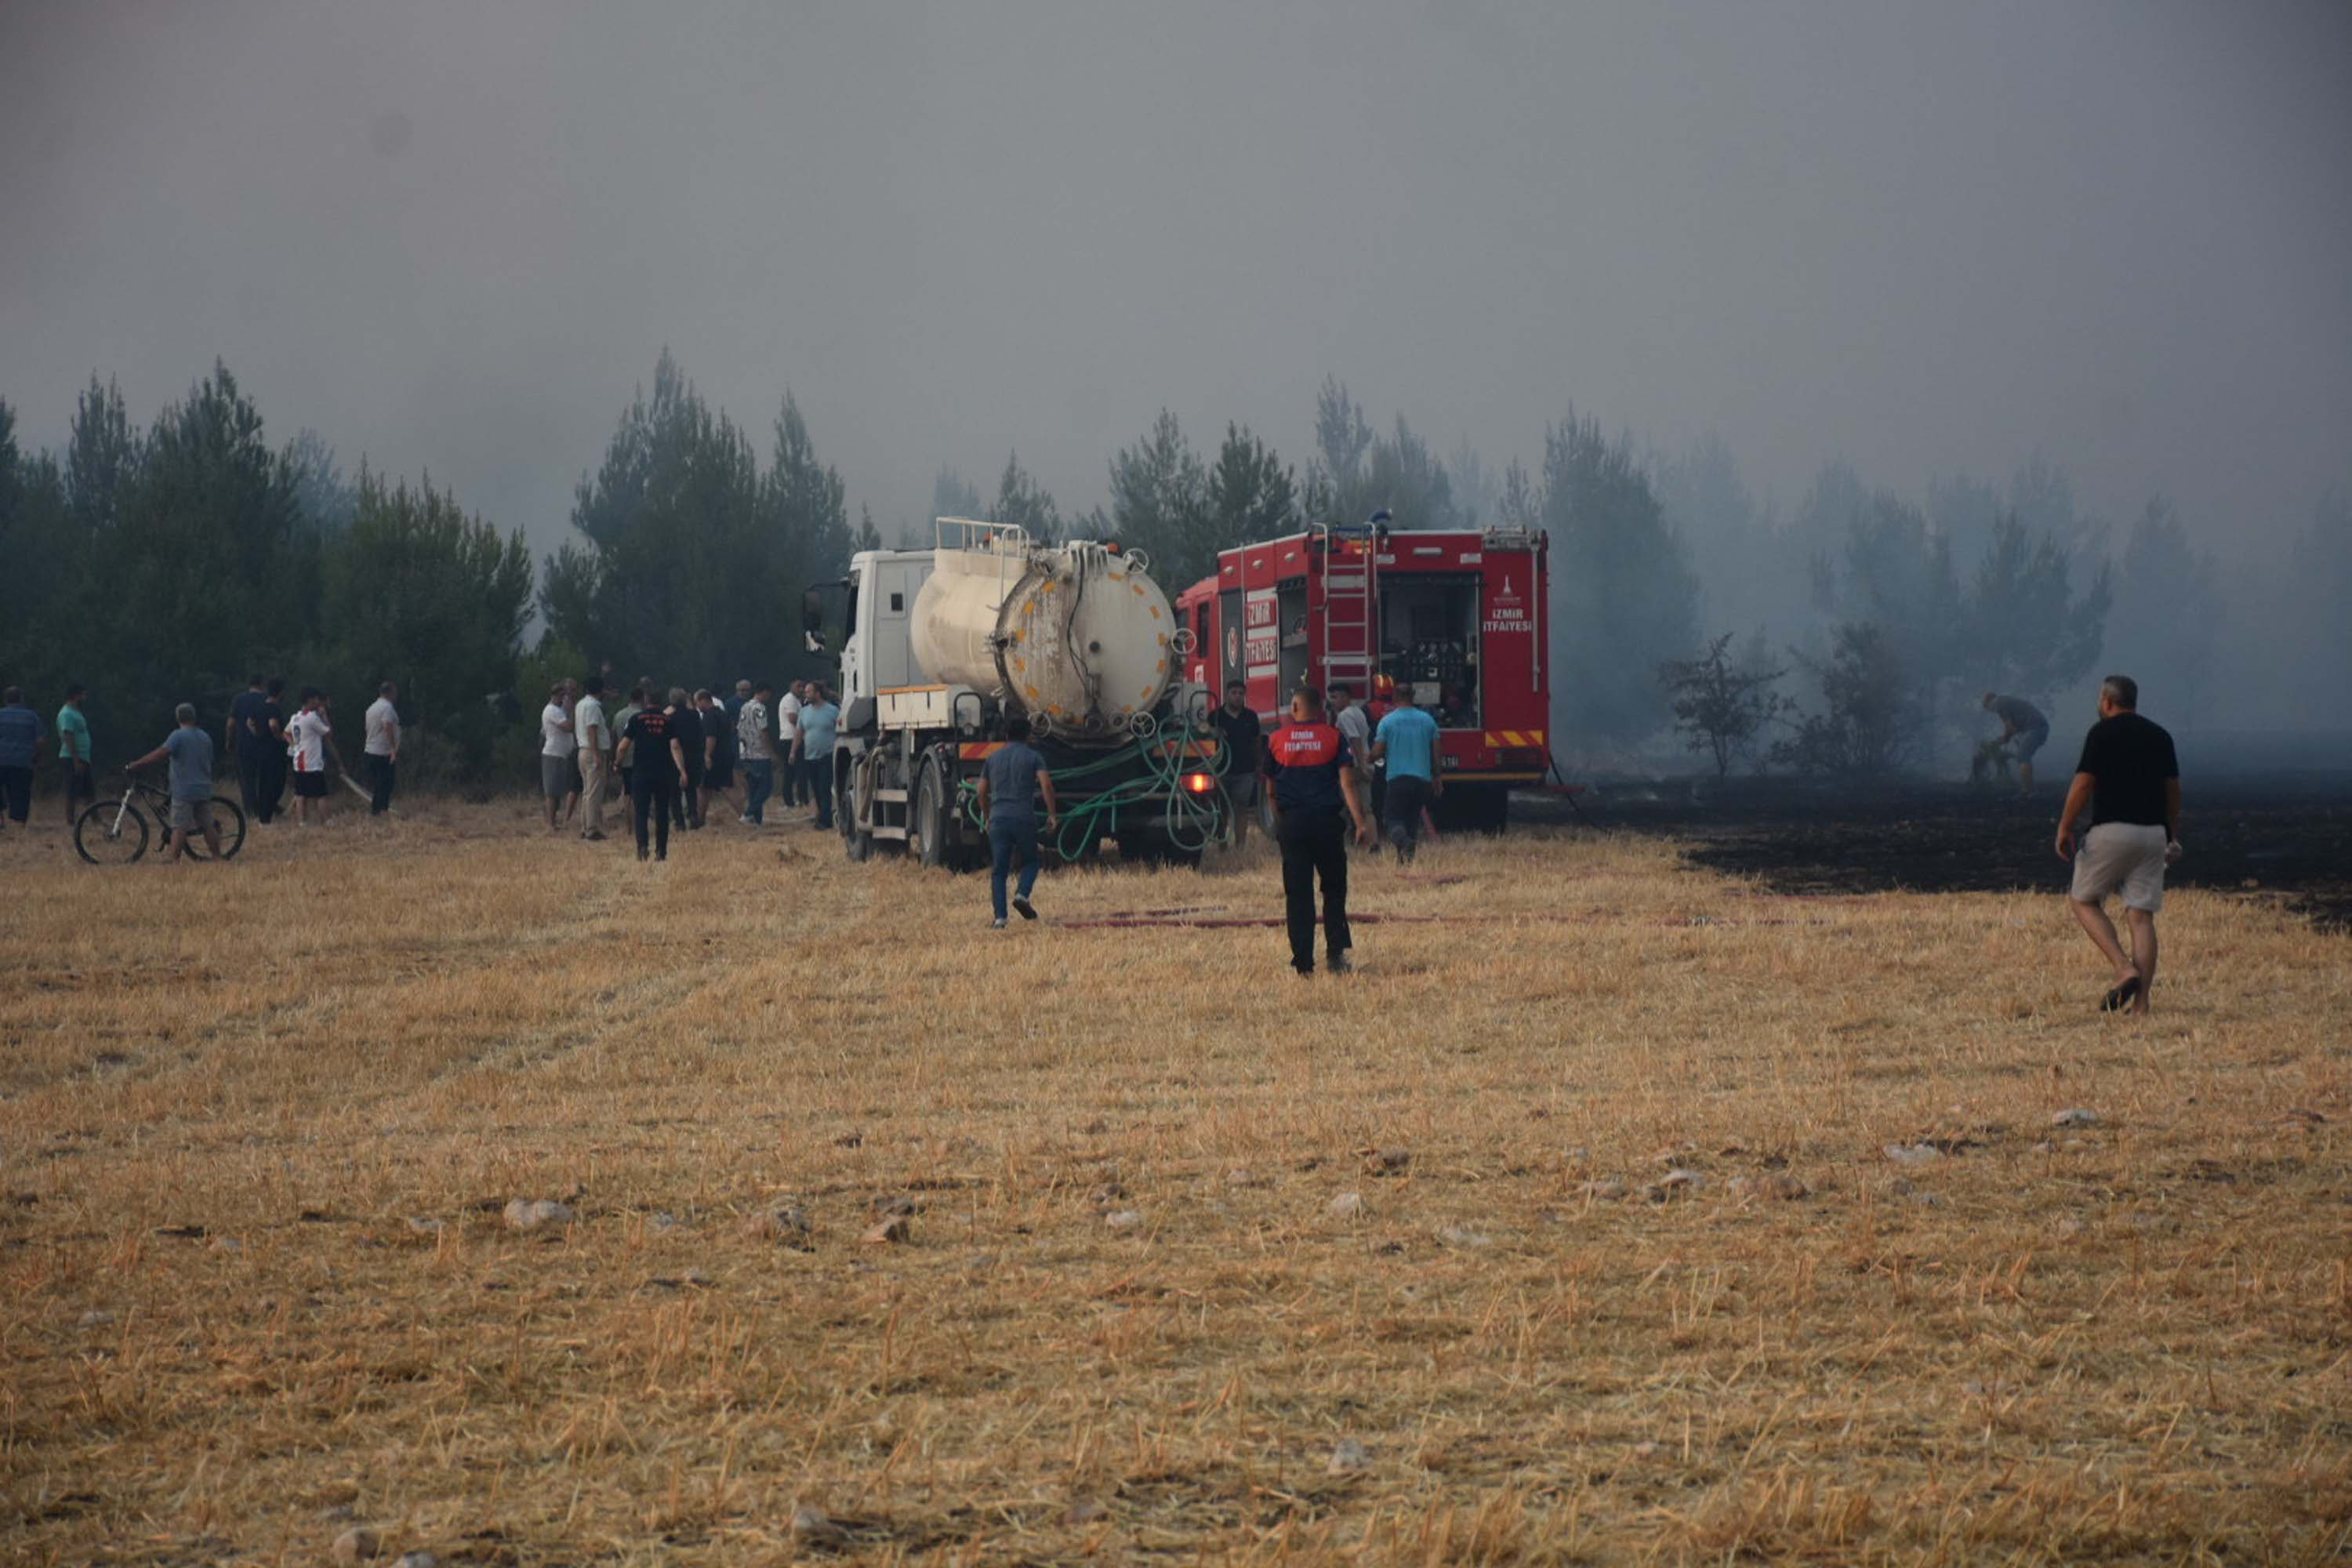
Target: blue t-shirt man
x,y
819,721
191,763
1409,737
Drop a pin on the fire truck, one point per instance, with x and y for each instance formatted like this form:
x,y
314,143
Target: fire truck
x,y
1456,614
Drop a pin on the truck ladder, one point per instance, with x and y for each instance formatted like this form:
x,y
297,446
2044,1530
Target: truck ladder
x,y
1350,590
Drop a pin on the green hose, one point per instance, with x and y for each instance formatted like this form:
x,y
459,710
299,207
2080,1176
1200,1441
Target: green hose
x,y
1191,822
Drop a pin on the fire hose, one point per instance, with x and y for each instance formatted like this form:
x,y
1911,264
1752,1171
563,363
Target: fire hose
x,y
1191,820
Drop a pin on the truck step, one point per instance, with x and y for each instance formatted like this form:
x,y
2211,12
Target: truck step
x,y
883,830
897,795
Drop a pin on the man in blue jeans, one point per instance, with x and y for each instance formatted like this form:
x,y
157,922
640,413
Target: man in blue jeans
x,y
1010,781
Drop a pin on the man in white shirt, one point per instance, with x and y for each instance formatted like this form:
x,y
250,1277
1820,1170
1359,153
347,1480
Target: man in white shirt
x,y
558,783
594,737
309,743
792,788
383,747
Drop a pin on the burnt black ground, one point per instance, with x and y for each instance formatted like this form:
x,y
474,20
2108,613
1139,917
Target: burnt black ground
x,y
2284,837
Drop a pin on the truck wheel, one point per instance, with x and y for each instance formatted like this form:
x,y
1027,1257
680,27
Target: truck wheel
x,y
927,824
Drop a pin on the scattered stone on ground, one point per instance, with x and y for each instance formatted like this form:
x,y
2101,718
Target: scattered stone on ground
x,y
1386,1162
1676,1153
661,1220
1648,1450
1776,1185
423,1224
530,1213
1608,1190
1462,1235
2077,1117
2045,1147
816,1528
1909,1193
1577,1154
227,1244
1123,1220
1350,1206
1104,1196
898,1205
416,1560
358,1544
1913,1153
96,1318
1243,1176
1347,1457
784,1222
1679,1182
894,1229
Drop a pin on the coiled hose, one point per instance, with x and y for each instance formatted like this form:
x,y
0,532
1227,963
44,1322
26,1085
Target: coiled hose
x,y
1191,822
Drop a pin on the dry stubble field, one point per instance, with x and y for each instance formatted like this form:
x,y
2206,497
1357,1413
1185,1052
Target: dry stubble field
x,y
257,1125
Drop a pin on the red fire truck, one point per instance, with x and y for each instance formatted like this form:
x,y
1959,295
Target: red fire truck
x,y
1457,613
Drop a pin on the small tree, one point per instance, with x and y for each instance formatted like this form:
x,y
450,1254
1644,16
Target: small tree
x,y
1720,706
1866,726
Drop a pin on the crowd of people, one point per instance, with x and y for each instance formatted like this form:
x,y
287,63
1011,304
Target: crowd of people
x,y
690,756
678,758
683,759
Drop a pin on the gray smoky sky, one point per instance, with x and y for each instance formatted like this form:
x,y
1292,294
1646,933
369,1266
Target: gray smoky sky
x,y
1927,238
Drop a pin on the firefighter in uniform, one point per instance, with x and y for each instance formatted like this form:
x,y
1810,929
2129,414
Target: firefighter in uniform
x,y
1313,777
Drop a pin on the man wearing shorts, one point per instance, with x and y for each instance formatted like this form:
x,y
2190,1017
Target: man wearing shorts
x,y
73,755
717,754
2025,722
559,783
309,743
2129,777
190,750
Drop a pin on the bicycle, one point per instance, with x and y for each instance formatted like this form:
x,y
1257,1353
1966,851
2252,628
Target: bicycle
x,y
115,833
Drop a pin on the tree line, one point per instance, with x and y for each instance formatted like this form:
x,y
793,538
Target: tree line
x,y
171,560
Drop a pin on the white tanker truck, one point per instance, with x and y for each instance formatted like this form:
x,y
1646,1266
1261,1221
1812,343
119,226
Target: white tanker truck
x,y
941,646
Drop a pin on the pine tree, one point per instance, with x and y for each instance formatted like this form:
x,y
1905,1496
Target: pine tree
x,y
1160,503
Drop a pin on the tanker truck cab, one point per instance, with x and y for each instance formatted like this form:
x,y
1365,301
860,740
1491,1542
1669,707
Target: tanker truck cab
x,y
941,647
878,654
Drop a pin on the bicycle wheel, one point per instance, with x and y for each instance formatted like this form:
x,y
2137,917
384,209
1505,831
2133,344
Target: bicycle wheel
x,y
111,833
229,818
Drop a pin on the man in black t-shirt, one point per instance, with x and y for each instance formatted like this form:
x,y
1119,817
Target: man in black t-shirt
x,y
654,741
2129,778
1243,742
718,750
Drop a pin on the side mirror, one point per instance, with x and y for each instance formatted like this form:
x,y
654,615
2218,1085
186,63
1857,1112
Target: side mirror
x,y
812,615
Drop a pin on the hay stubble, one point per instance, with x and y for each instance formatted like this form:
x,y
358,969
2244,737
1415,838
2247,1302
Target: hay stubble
x,y
1110,1308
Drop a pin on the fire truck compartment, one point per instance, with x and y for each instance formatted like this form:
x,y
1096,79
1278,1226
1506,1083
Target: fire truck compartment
x,y
1429,641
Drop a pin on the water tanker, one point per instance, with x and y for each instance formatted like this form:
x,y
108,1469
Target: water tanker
x,y
1078,637
940,648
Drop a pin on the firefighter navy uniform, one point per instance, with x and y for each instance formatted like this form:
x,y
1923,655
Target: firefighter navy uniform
x,y
1303,760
